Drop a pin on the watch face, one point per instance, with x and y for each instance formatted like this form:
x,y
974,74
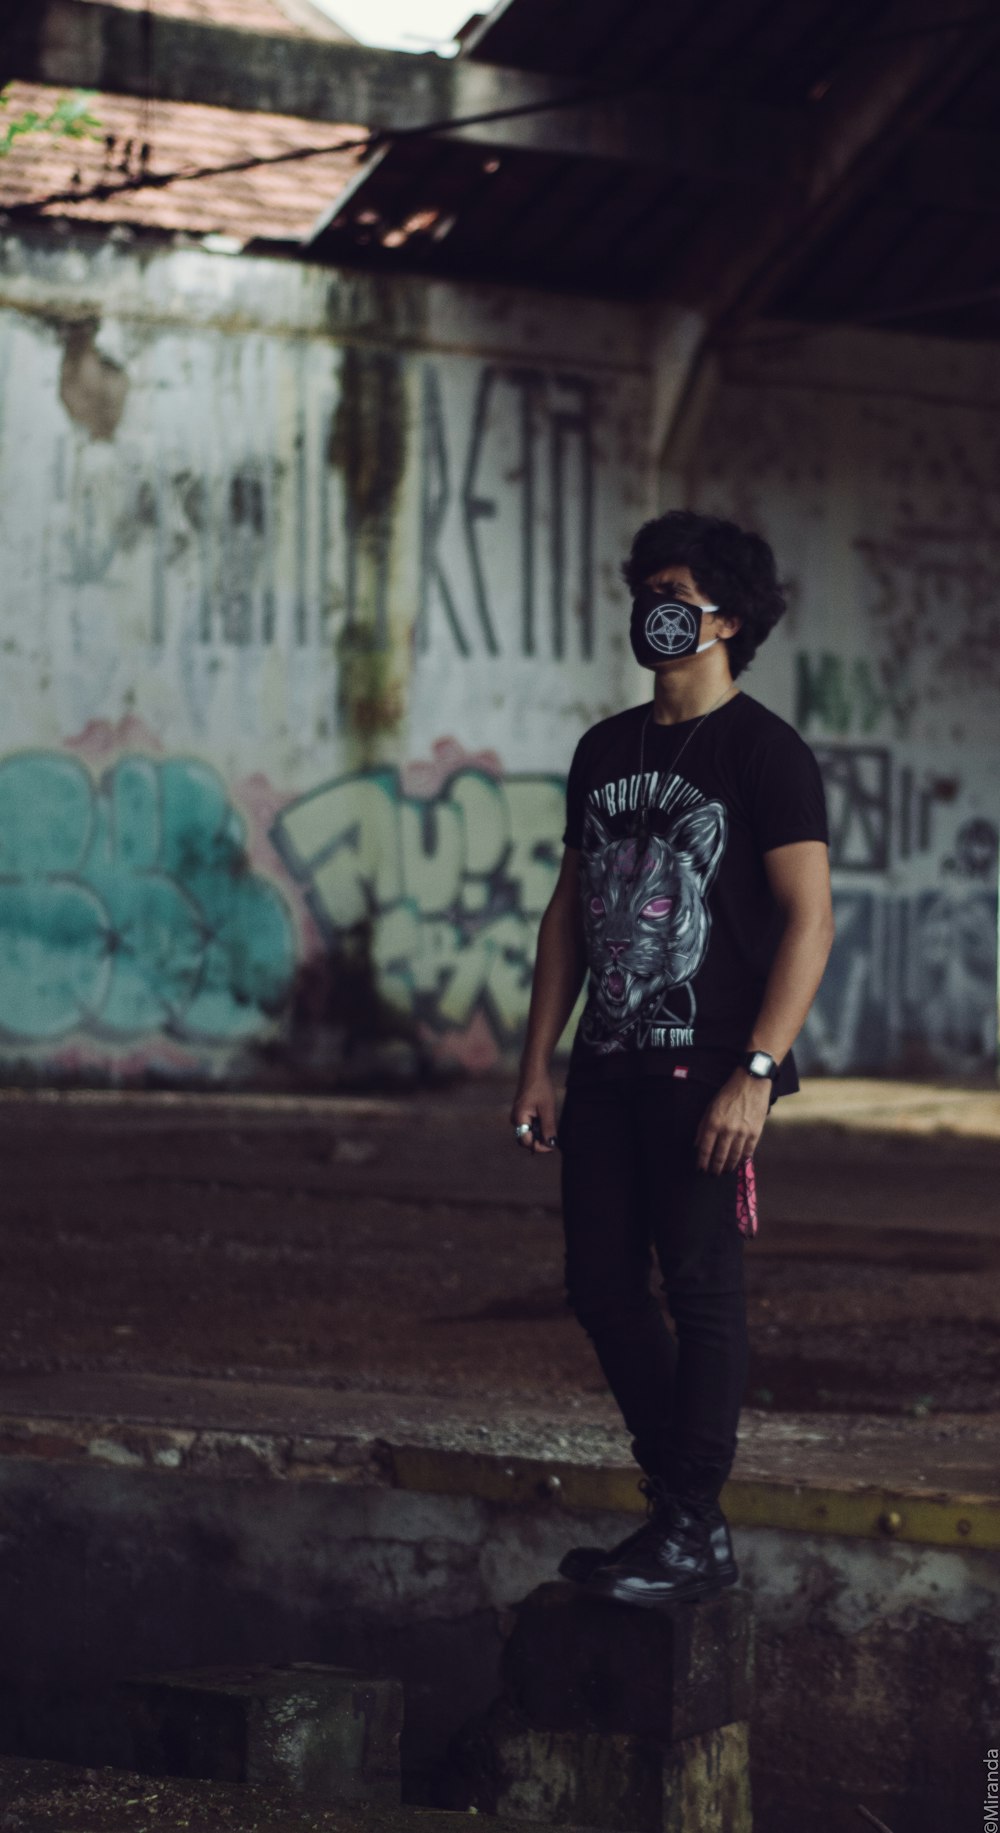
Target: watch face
x,y
760,1063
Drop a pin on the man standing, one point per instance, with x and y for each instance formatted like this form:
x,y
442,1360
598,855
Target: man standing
x,y
695,886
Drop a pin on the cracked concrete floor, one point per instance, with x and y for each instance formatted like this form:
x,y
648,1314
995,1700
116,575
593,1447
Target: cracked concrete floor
x,y
404,1245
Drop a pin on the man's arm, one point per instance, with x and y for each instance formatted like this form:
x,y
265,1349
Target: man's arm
x,y
560,966
799,877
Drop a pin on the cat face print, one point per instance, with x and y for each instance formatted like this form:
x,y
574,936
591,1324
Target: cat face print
x,y
646,921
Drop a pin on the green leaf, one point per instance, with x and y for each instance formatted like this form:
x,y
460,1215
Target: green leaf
x,y
70,119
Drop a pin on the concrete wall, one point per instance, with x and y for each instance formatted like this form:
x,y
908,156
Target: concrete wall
x,y
309,587
872,463
876,1668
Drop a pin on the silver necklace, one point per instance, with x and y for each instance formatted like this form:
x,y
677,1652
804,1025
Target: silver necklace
x,y
687,741
643,803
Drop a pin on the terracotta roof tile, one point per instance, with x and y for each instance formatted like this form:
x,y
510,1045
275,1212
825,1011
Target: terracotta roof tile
x,y
277,202
251,15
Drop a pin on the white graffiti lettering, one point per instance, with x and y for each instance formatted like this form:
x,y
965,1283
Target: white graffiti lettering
x,y
450,887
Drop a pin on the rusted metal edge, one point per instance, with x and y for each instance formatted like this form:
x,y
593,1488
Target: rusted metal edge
x,y
847,1511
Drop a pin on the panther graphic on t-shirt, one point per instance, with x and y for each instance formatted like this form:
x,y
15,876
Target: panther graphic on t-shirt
x,y
681,925
647,924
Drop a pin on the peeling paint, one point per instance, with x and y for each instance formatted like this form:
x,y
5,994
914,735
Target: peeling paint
x,y
92,388
368,446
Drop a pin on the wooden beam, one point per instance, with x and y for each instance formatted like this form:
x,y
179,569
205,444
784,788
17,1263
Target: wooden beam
x,y
87,45
884,95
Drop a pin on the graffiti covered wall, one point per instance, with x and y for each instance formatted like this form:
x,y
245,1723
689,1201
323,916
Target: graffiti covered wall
x,y
447,869
324,588
310,584
871,463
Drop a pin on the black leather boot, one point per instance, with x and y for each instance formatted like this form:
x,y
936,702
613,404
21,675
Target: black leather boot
x,y
580,1562
670,1558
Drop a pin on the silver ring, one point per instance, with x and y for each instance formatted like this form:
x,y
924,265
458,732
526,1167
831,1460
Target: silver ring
x,y
523,1130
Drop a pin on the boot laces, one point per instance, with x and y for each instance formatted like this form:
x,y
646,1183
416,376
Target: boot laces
x,y
657,1496
661,1501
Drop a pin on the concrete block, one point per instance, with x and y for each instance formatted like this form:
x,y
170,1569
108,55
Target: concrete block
x,y
591,1779
330,1732
579,1663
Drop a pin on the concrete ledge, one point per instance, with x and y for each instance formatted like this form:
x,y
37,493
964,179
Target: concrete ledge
x,y
938,1478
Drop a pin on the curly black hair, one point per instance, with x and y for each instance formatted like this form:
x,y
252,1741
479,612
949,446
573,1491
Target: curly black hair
x,y
732,566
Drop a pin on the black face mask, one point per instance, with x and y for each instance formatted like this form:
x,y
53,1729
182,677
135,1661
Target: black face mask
x,y
662,628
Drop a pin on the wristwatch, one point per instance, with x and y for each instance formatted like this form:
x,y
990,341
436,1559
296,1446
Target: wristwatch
x,y
760,1064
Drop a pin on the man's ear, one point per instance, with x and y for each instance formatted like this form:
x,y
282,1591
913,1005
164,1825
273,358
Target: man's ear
x,y
732,625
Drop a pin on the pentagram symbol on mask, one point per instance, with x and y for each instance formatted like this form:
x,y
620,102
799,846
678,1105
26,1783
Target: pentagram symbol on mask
x,y
672,629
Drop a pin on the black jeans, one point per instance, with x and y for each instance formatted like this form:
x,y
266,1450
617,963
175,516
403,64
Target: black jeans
x,y
631,1183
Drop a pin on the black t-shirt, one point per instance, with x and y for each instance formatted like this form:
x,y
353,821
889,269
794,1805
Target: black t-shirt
x,y
681,927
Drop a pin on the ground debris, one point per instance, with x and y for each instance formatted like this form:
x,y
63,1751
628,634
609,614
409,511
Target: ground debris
x,y
44,1797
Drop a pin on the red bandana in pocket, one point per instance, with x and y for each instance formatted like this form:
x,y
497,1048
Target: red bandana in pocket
x,y
746,1197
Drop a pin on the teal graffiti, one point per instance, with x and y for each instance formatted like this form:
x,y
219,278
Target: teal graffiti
x,y
128,906
450,888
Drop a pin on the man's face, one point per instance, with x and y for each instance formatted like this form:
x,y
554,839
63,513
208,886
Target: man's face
x,y
679,582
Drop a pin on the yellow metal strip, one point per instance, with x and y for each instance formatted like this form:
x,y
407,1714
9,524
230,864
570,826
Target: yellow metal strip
x,y
868,1513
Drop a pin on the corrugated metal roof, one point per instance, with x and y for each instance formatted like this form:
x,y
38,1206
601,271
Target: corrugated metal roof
x,y
591,225
914,237
751,48
927,232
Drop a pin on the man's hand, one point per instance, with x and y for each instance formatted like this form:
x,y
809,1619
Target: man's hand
x,y
734,1121
536,1097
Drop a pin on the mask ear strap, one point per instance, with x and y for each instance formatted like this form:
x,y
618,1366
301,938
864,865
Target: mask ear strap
x,y
703,646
